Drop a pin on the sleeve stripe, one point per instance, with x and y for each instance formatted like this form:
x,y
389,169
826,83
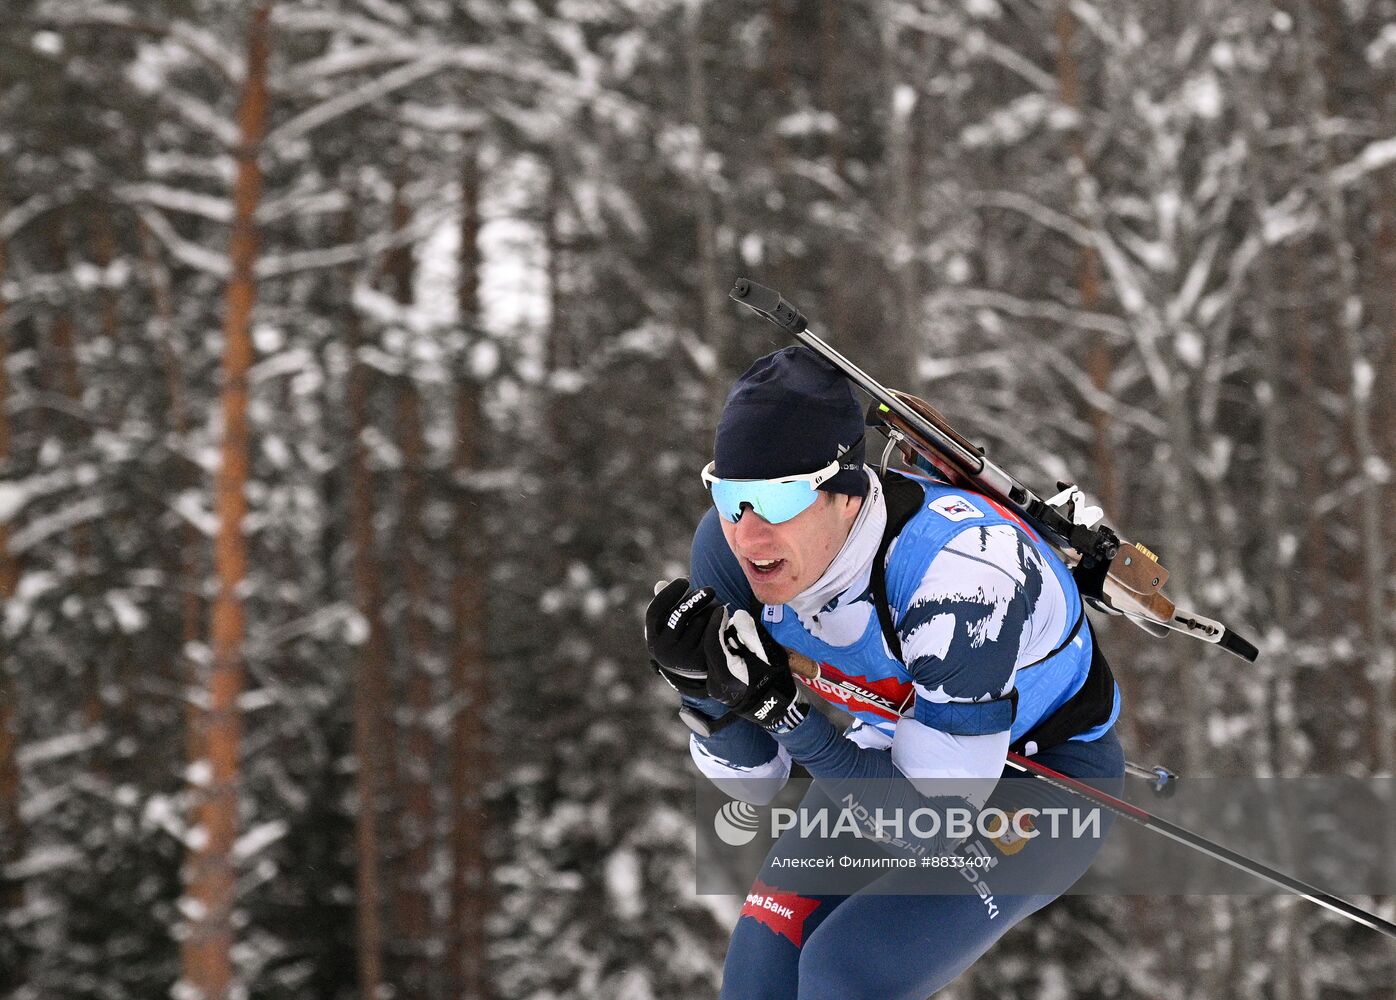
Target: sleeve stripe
x,y
958,718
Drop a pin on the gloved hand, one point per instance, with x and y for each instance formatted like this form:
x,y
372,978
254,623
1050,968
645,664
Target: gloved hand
x,y
749,672
674,624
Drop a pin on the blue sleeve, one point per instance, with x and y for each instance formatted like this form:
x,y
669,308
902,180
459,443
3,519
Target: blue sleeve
x,y
817,743
869,777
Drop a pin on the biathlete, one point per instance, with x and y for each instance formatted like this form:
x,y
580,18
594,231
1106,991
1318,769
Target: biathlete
x,y
981,644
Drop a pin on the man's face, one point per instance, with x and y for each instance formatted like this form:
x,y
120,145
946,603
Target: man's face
x,y
781,560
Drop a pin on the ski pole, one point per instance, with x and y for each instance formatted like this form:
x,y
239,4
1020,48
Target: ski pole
x,y
804,667
1199,843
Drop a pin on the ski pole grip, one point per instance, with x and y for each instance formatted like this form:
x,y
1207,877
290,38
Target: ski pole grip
x,y
802,665
768,303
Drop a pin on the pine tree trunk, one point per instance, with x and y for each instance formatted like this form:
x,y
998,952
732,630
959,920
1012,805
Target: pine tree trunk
x,y
1099,363
711,328
779,59
119,674
62,362
413,909
370,676
1360,369
1316,569
190,568
1369,471
902,185
1144,918
471,896
63,355
557,354
413,906
1274,747
104,247
12,833
211,876
1385,413
780,49
843,264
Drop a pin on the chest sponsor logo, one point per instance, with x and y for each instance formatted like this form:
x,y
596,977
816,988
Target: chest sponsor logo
x,y
955,508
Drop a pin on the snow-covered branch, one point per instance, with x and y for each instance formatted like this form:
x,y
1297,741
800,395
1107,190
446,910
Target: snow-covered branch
x,y
335,22
186,252
425,223
183,200
30,209
1195,280
1117,406
357,97
202,115
1021,308
82,511
302,203
1043,215
1374,156
61,14
976,42
340,61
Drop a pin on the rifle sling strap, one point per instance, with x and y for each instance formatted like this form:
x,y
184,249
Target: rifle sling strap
x,y
903,496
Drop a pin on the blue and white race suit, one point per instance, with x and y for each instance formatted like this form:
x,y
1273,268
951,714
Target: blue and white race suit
x,y
981,607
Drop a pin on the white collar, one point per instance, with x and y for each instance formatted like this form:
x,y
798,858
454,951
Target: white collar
x,y
851,569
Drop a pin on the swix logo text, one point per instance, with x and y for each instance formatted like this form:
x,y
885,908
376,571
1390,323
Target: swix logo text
x,y
824,687
844,695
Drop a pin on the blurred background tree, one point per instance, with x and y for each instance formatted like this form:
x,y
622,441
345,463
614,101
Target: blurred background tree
x,y
340,449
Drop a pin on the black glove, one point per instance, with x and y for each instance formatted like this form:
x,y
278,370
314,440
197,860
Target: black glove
x,y
749,672
674,626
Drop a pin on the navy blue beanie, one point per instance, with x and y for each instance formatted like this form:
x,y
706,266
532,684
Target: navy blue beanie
x,y
790,413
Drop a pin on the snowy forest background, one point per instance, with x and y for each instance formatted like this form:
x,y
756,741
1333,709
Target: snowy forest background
x,y
359,358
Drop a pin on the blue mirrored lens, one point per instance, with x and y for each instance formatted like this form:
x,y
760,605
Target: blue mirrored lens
x,y
776,502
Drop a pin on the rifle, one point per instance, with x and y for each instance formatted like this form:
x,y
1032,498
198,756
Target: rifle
x,y
1113,574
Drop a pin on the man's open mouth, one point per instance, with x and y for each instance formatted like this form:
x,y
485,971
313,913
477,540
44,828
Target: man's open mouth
x,y
764,567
